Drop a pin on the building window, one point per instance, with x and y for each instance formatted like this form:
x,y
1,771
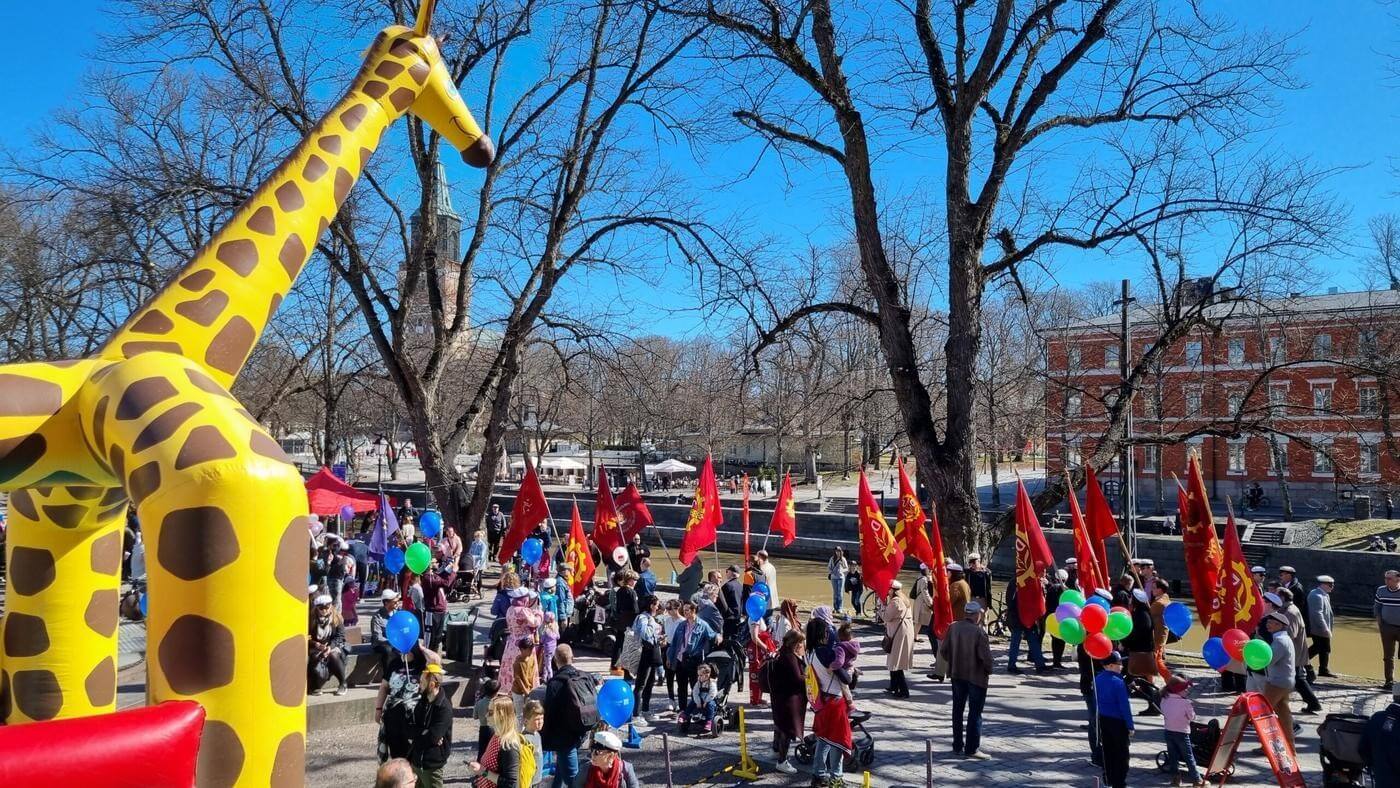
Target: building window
x,y
1110,356
1072,456
1278,394
1237,350
1275,350
1370,459
1322,460
1193,353
1193,401
1073,359
1278,458
1234,403
1073,405
1151,457
1369,400
1236,454
1322,346
1322,397
1368,342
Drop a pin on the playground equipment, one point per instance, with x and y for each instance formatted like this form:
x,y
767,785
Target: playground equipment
x,y
148,420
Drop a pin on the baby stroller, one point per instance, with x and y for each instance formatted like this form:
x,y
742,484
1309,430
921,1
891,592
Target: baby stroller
x,y
1341,760
1204,738
726,673
862,752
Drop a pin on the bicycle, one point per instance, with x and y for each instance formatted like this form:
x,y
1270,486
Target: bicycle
x,y
871,607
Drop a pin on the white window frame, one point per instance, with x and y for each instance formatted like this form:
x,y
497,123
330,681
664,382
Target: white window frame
x,y
1193,353
1371,393
1322,345
1151,458
1073,357
1321,459
1367,342
1326,401
1073,457
1235,450
1110,356
1074,405
1367,450
1236,350
1277,399
1234,402
1283,450
1193,392
1277,349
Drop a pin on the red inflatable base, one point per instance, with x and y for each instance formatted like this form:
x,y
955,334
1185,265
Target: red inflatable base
x,y
150,747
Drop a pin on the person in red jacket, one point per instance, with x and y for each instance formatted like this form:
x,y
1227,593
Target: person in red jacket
x,y
436,582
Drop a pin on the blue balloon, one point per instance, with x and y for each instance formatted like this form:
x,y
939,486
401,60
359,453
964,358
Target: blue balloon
x,y
1215,654
430,524
756,605
1099,601
615,702
1178,618
393,560
143,603
401,630
532,550
760,588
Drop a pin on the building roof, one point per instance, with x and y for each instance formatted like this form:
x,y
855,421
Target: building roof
x,y
1330,303
441,200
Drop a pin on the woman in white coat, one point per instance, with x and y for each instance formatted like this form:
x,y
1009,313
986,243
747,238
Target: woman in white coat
x,y
899,631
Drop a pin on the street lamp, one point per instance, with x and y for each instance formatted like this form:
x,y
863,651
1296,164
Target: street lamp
x,y
379,444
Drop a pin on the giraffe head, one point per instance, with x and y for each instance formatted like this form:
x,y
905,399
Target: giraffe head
x,y
405,69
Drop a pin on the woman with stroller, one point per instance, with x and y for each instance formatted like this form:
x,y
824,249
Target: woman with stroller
x,y
787,682
899,630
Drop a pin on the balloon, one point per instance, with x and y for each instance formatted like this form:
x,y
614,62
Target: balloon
x,y
1178,618
1234,640
760,588
144,603
756,606
1098,645
1073,597
1118,626
1099,601
1257,654
1093,618
615,702
619,556
1120,609
347,513
1215,654
430,523
1052,625
1067,610
401,630
393,560
532,550
417,558
1072,632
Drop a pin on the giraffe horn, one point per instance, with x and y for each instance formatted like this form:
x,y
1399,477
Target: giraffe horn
x,y
425,16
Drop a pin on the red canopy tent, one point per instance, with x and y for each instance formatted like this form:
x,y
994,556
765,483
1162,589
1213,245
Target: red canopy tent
x,y
327,494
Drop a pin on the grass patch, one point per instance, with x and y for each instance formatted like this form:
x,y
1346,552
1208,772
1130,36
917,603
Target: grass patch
x,y
1353,534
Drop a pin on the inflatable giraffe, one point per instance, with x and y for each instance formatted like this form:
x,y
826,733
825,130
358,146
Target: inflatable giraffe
x,y
149,421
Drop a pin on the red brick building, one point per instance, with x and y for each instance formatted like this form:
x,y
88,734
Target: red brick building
x,y
1301,380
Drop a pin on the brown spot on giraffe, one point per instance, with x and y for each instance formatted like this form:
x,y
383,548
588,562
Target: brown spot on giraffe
x,y
402,48
330,143
114,495
262,444
36,694
365,153
196,542
26,396
101,684
197,655
240,254
163,426
66,515
203,382
263,221
289,197
293,255
143,395
107,514
4,695
343,181
197,280
272,305
118,458
419,71
315,168
25,635
22,503
204,444
44,492
101,613
221,756
402,98
99,426
287,667
106,554
289,764
32,570
153,322
84,493
205,309
353,117
388,69
65,478
230,346
290,569
17,455
130,349
375,89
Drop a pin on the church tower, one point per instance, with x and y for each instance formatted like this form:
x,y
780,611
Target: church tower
x,y
449,240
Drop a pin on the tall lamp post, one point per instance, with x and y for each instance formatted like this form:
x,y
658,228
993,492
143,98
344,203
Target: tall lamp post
x,y
379,444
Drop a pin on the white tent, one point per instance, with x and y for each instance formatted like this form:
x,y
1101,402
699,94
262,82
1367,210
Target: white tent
x,y
553,464
670,466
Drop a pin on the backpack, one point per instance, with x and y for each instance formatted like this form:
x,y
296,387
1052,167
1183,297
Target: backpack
x,y
527,765
582,712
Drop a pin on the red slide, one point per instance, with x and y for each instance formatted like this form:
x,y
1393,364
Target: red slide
x,y
150,747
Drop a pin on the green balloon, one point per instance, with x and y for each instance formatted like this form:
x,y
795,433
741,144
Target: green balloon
x,y
417,558
1071,595
1257,654
1072,632
1118,626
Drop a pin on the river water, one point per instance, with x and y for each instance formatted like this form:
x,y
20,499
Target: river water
x,y
1356,648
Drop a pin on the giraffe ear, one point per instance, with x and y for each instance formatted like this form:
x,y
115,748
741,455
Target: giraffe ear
x,y
425,16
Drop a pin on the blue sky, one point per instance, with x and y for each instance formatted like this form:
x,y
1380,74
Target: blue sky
x,y
1345,117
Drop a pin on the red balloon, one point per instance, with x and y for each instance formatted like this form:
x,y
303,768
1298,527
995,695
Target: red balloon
x,y
1098,645
1093,618
1234,640
1120,609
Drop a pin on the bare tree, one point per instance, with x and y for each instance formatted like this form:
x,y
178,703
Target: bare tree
x,y
1385,236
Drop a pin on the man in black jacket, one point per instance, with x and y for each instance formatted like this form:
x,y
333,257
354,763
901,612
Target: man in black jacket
x,y
432,729
731,601
1380,744
570,712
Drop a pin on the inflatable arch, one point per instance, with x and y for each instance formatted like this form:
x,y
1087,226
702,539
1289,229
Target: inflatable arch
x,y
149,422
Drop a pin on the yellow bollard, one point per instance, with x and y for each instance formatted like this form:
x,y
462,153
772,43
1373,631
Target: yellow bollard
x,y
747,768
866,783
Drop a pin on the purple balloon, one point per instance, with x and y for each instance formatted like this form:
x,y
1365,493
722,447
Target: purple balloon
x,y
347,513
1067,610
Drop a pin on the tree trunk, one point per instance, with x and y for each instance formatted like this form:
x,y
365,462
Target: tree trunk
x,y
810,470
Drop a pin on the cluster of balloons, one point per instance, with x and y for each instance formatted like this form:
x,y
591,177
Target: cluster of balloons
x,y
531,551
402,630
757,604
1236,644
417,558
1093,622
615,702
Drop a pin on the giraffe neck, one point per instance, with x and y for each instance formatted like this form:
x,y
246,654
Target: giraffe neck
x,y
216,308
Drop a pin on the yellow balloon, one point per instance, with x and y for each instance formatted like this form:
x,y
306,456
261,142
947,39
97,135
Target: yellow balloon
x,y
1052,625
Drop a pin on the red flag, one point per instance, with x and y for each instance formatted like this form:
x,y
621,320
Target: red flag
x,y
607,523
529,510
1240,600
942,602
702,527
1099,518
746,520
784,513
880,556
909,523
633,511
1032,556
1084,552
1203,555
577,555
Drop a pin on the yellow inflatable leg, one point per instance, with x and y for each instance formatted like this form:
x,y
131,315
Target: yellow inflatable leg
x,y
226,562
63,569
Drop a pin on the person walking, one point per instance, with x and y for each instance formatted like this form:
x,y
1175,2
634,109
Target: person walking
x,y
836,568
855,586
960,592
1054,589
979,579
770,578
923,608
1277,680
967,654
500,766
570,712
1320,622
899,631
652,637
624,610
1297,626
1115,719
1380,744
432,726
1020,632
1387,612
787,684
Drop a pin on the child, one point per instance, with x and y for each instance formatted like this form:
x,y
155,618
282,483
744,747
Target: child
x,y
1177,714
549,641
847,649
527,670
702,698
532,720
484,694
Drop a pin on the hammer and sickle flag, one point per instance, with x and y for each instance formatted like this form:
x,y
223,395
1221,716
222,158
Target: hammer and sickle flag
x,y
578,556
1032,557
1240,599
529,510
880,556
909,523
702,527
1204,558
607,522
785,513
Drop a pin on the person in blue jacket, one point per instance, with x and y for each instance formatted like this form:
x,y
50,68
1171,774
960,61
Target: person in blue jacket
x,y
1115,720
685,653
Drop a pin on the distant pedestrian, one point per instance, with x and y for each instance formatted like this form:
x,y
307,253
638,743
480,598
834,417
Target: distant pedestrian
x,y
967,654
1053,590
836,568
1320,621
495,529
855,586
1115,720
1387,613
979,581
770,578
